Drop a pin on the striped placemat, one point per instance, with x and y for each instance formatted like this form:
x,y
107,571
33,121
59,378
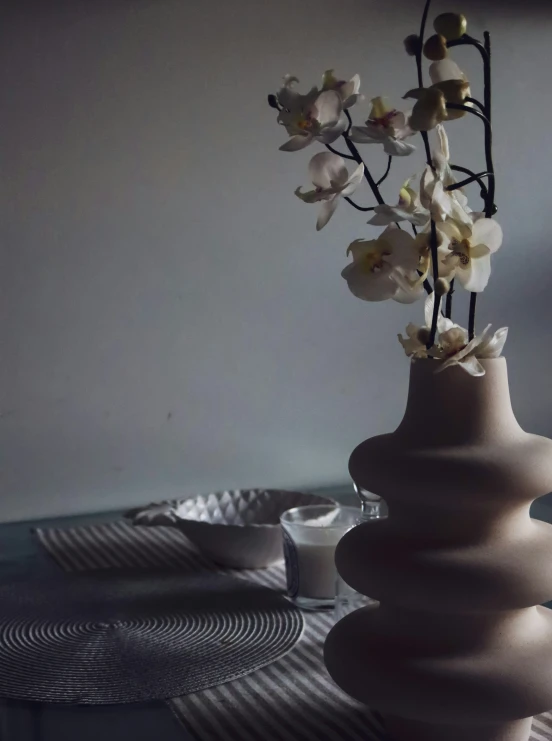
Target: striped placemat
x,y
292,699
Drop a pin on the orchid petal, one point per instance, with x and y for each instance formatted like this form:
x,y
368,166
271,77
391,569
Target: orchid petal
x,y
493,346
445,69
397,148
312,196
476,276
325,167
408,291
297,142
367,134
369,286
326,212
331,133
354,181
328,108
472,366
487,232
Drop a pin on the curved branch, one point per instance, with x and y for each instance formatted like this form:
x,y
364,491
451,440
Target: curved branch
x,y
386,173
472,179
477,103
469,109
482,185
339,154
467,40
359,208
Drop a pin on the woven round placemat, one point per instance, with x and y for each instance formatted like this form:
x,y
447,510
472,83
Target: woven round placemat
x,y
118,637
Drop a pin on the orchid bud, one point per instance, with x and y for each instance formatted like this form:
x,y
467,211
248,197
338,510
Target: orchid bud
x,y
424,335
435,48
442,287
451,25
455,91
413,45
429,110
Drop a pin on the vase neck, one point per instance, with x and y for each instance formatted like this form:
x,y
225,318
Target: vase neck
x,y
452,407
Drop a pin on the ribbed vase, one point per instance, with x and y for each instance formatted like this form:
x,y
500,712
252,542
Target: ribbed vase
x,y
458,648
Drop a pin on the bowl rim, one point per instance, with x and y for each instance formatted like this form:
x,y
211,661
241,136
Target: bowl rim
x,y
322,500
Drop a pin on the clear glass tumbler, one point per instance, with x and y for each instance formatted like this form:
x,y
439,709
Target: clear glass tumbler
x,y
311,535
348,599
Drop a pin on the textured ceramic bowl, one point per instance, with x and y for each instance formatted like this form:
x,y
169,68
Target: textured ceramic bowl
x,y
239,529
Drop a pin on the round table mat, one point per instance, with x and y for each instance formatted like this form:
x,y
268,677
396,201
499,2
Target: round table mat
x,y
118,637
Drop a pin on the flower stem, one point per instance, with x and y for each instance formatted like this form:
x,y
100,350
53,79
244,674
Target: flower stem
x,y
448,307
471,324
358,208
370,180
472,179
437,303
433,240
339,154
421,44
476,178
386,173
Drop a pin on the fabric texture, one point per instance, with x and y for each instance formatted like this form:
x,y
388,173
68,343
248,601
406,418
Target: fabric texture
x,y
292,699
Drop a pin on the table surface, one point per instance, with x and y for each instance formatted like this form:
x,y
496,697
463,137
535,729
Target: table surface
x,y
20,554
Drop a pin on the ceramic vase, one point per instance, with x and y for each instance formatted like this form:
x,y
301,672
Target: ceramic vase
x,y
458,648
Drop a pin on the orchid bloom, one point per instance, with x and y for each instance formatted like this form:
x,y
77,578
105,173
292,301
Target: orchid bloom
x,y
452,346
385,126
457,350
414,345
467,256
331,182
434,196
449,86
384,268
409,208
316,116
349,92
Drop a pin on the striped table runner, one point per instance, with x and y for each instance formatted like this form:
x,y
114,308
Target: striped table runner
x,y
293,699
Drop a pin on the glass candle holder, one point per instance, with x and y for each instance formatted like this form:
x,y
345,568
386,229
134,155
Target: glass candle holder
x,y
311,535
348,599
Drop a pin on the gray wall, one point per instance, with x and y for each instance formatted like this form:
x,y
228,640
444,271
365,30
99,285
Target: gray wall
x,y
170,320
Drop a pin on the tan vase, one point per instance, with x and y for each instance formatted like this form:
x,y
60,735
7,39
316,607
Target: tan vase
x,y
458,649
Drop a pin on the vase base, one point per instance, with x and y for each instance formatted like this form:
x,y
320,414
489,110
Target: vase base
x,y
401,729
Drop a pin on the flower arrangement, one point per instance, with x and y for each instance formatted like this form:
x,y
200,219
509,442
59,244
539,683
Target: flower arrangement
x,y
451,244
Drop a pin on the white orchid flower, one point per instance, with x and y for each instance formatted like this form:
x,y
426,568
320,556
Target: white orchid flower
x,y
452,344
409,208
384,268
434,196
385,126
349,92
331,181
449,86
415,344
316,116
457,350
466,251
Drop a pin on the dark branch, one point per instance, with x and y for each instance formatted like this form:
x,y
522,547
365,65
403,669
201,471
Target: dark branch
x,y
469,109
339,154
476,102
472,179
448,308
482,185
467,40
437,302
386,173
359,208
471,324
